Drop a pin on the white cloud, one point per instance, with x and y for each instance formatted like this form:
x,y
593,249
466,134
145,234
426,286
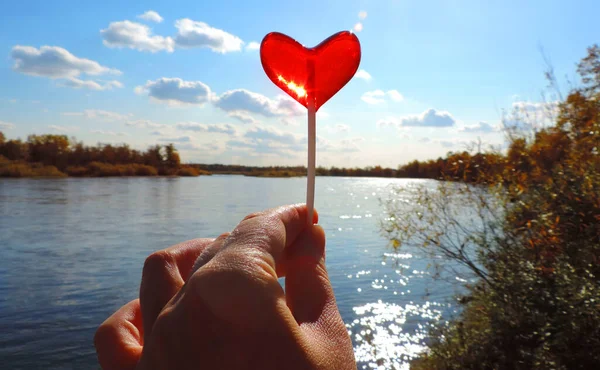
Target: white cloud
x,y
358,27
286,106
268,141
109,133
338,128
241,100
63,128
394,95
144,123
176,91
274,141
192,34
287,121
99,114
322,114
180,139
373,97
429,118
532,115
481,128
243,117
253,45
202,127
349,145
388,122
106,115
213,146
6,125
536,108
151,16
343,146
132,35
55,62
90,85
194,146
379,96
362,15
528,106
273,134
452,143
362,74
446,143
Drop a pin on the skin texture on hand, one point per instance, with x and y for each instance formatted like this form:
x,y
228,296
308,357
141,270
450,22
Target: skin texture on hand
x,y
217,304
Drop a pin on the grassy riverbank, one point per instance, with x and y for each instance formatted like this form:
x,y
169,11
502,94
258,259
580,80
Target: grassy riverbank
x,y
18,169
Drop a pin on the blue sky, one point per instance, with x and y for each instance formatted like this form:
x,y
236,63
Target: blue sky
x,y
434,75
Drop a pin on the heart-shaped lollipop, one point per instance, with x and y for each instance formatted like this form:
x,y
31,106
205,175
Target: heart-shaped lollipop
x,y
311,76
318,72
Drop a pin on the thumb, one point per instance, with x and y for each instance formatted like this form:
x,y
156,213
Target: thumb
x,y
310,298
309,294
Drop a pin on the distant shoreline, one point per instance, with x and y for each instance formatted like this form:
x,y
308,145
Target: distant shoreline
x,y
50,156
22,169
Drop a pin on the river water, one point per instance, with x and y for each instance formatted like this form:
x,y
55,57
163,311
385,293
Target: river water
x,y
72,250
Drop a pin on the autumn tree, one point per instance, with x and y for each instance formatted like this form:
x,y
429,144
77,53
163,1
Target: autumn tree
x,y
48,149
172,157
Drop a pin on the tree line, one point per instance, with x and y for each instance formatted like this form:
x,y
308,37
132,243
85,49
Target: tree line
x,y
462,166
59,155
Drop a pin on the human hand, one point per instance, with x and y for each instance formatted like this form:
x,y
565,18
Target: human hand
x,y
217,304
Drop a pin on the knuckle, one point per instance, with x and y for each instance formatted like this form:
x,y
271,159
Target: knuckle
x,y
294,212
105,334
158,263
256,231
222,239
233,269
252,215
224,235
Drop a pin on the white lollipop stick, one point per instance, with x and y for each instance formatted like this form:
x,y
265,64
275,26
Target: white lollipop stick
x,y
310,181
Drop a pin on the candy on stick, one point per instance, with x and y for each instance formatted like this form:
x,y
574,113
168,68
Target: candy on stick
x,y
311,76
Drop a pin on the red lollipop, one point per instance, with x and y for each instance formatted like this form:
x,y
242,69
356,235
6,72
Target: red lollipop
x,y
311,76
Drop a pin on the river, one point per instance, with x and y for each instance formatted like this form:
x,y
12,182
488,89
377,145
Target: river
x,y
72,250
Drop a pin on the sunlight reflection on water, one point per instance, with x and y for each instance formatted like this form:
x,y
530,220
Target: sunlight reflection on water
x,y
394,306
388,335
380,336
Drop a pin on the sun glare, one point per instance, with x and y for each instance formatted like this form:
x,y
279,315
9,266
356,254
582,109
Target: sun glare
x,y
299,90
